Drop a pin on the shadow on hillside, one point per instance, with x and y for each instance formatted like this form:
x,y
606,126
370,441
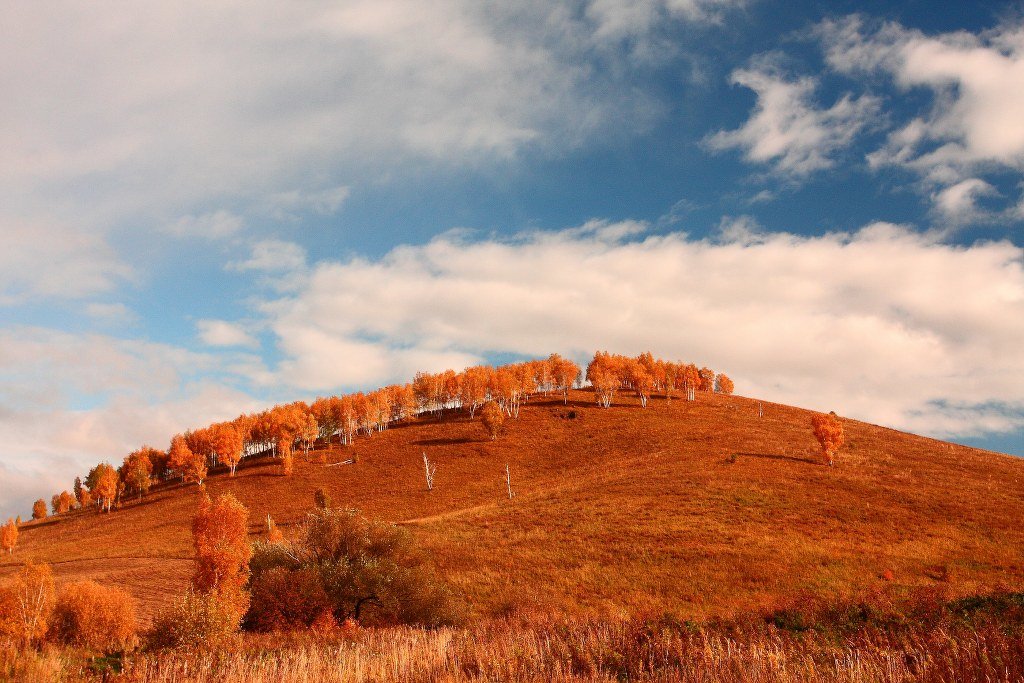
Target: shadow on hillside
x,y
777,456
445,442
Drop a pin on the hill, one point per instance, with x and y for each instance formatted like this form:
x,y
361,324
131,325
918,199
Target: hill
x,y
697,509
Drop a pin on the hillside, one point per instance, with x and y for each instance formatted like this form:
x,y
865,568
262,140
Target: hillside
x,y
620,510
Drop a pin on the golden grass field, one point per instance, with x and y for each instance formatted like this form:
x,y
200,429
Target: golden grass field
x,y
618,513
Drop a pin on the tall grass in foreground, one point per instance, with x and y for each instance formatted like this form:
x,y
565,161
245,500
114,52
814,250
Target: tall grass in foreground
x,y
596,651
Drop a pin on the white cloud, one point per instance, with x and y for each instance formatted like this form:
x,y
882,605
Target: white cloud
x,y
958,204
787,129
324,202
619,18
213,225
224,333
60,416
49,261
885,324
272,256
972,123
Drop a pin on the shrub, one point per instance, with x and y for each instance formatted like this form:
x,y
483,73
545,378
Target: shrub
x,y
95,617
322,499
197,622
284,599
352,567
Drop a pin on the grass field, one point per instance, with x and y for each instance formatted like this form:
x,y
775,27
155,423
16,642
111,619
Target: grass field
x,y
694,509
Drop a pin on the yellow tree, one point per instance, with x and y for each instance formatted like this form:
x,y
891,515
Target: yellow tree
x,y
828,430
9,536
493,418
724,384
39,509
34,597
564,373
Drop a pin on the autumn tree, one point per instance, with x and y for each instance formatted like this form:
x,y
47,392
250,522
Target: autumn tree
x,y
309,430
78,491
137,470
724,384
475,381
492,417
226,441
707,379
326,416
564,373
39,509
220,537
602,373
691,381
9,536
34,597
190,465
65,502
641,380
104,485
828,430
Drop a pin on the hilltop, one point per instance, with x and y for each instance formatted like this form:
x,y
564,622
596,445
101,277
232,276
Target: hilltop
x,y
697,509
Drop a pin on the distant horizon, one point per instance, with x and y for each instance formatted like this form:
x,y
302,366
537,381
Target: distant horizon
x,y
207,208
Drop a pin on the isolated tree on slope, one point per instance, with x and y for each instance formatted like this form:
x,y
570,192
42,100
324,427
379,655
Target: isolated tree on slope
x,y
39,509
724,384
220,535
9,536
828,430
493,418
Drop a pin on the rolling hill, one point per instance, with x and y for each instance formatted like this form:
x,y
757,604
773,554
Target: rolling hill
x,y
696,509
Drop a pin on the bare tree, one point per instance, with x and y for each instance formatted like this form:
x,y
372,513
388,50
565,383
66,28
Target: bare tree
x,y
508,481
429,469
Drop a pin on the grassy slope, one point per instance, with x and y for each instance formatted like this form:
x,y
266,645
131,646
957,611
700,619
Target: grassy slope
x,y
618,511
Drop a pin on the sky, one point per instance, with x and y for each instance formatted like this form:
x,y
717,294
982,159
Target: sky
x,y
209,207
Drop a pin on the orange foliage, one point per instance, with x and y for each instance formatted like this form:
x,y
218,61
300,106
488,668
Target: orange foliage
x,y
828,430
95,617
226,441
220,538
106,484
33,599
39,509
138,469
274,534
288,599
190,465
725,385
62,502
493,418
9,536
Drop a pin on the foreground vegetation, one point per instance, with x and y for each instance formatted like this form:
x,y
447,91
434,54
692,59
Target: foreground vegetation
x,y
979,640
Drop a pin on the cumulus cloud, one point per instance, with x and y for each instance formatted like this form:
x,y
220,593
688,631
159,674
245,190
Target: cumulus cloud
x,y
787,129
884,324
958,204
976,81
224,333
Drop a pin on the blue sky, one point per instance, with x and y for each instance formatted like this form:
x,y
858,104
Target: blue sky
x,y
209,207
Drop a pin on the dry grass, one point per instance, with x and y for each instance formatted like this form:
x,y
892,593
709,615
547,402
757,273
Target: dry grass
x,y
586,652
617,513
